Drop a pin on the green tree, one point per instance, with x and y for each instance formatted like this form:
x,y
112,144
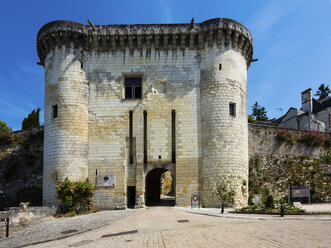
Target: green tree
x,y
259,112
4,128
323,91
32,120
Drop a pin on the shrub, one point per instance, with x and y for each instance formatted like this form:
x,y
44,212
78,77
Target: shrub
x,y
251,119
75,197
285,136
16,139
226,195
10,138
4,127
327,142
269,203
326,157
4,138
312,138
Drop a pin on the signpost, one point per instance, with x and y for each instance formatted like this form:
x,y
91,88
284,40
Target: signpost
x,y
195,201
299,191
5,222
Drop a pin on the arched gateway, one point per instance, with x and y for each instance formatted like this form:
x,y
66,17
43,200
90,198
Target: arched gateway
x,y
123,103
153,184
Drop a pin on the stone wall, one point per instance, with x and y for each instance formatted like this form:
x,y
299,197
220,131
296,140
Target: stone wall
x,y
262,141
21,167
275,164
27,160
21,217
170,81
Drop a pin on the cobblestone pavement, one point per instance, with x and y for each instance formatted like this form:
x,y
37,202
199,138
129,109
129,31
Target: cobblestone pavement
x,y
168,227
52,229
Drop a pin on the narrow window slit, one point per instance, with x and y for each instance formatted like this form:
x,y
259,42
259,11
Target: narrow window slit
x,y
130,136
55,110
173,136
232,109
145,137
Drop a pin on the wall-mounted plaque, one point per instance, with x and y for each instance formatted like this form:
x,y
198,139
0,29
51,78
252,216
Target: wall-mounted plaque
x,y
106,181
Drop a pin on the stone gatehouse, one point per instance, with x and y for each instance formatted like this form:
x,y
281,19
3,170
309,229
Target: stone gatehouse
x,y
125,103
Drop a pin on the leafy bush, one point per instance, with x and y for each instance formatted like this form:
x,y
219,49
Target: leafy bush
x,y
255,209
251,119
10,138
16,139
326,157
75,197
285,136
226,195
269,203
327,142
312,138
5,138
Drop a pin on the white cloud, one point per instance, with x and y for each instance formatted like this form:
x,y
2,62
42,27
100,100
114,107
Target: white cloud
x,y
12,107
269,15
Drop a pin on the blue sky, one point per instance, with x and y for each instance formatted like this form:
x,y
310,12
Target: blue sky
x,y
292,40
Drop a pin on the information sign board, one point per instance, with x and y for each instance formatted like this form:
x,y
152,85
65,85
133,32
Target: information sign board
x,y
106,180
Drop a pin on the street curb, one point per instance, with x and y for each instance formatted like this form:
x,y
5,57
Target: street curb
x,y
232,216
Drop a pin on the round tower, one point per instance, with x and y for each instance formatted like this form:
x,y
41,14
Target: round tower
x,y
224,127
66,112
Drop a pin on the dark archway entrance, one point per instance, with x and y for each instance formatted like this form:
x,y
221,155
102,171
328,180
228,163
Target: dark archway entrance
x,y
153,189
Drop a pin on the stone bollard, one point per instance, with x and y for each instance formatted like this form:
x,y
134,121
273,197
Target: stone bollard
x,y
222,212
282,211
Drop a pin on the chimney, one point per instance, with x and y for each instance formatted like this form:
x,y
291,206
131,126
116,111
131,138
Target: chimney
x,y
307,100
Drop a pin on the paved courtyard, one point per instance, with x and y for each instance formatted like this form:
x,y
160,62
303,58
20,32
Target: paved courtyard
x,y
172,227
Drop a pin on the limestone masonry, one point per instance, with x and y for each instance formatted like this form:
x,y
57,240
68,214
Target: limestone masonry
x,y
125,103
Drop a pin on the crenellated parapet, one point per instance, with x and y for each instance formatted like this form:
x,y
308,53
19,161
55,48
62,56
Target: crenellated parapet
x,y
160,37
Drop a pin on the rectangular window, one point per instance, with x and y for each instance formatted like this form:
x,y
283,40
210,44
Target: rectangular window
x,y
232,109
55,111
133,88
